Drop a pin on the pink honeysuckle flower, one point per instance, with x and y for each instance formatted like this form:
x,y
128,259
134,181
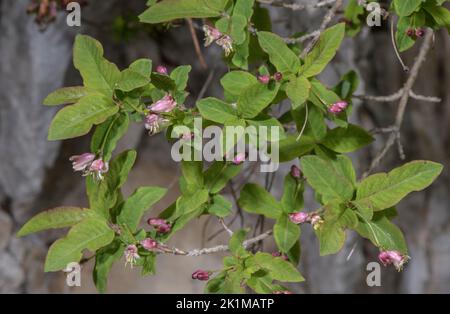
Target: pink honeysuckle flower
x,y
154,123
131,255
82,162
211,34
393,257
315,220
98,168
166,104
295,172
278,76
299,217
161,225
264,79
187,136
338,107
202,275
162,70
149,244
226,42
239,159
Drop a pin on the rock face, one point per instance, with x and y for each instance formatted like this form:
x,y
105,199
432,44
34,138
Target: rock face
x,y
36,174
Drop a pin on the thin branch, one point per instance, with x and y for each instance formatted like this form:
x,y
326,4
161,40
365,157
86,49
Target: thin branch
x,y
393,137
198,50
397,95
297,6
326,20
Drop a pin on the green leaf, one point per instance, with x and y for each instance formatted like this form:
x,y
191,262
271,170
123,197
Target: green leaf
x,y
278,268
103,194
192,174
286,233
168,10
324,51
262,283
190,203
97,72
134,207
255,199
130,80
256,98
406,7
292,199
221,207
216,110
104,260
143,67
163,83
346,140
107,134
298,90
331,233
66,95
315,125
60,217
219,174
290,148
92,233
244,8
238,28
235,82
283,58
149,265
181,76
383,233
77,120
441,16
384,190
332,179
235,244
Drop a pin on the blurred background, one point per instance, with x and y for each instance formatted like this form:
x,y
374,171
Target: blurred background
x,y
35,174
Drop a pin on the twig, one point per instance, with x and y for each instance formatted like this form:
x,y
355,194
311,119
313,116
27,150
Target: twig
x,y
198,50
225,227
396,96
393,137
326,20
297,6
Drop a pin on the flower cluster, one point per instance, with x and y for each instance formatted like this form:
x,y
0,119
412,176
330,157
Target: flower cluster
x,y
393,257
214,35
301,217
88,165
338,107
415,33
161,225
154,121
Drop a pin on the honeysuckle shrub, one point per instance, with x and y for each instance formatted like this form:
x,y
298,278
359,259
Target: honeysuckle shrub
x,y
264,71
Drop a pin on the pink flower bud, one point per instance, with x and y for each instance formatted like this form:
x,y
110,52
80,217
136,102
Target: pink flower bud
x,y
161,225
82,162
202,275
338,107
166,104
295,172
278,76
239,159
131,254
393,257
211,34
420,32
149,244
264,79
299,217
162,70
279,254
410,32
187,136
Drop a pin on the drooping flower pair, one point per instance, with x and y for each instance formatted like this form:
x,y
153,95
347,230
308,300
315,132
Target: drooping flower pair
x,y
302,217
393,257
214,35
265,78
88,165
161,225
338,107
154,121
